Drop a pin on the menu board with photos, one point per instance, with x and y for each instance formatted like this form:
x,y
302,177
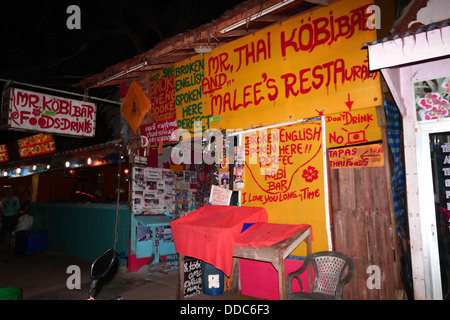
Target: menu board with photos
x,y
152,190
158,191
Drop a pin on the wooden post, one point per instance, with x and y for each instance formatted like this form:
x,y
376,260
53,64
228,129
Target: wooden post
x,y
180,291
308,252
235,276
381,115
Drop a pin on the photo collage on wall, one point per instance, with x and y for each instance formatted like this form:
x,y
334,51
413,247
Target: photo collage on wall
x,y
161,191
233,173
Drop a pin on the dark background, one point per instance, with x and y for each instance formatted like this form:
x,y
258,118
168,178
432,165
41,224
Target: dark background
x,y
38,48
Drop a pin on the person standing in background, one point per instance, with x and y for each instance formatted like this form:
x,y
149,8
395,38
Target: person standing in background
x,y
9,208
25,208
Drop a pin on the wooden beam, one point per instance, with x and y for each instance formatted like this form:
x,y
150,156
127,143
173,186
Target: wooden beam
x,y
270,18
318,2
393,80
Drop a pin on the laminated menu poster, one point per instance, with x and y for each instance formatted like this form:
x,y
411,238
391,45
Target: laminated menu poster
x,y
153,190
158,191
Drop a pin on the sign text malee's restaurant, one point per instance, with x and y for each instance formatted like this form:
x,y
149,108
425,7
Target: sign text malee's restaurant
x,y
51,114
305,67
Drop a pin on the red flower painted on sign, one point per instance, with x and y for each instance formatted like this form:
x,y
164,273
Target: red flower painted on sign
x,y
37,112
310,174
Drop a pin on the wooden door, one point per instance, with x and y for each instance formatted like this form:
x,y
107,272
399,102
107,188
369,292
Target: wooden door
x,y
363,228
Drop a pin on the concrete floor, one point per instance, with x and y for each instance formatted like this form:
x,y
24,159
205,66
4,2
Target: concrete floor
x,y
43,277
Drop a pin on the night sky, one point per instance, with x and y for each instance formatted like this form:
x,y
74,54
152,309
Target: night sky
x,y
38,48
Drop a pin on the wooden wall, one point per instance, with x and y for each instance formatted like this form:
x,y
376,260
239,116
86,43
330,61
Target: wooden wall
x,y
363,229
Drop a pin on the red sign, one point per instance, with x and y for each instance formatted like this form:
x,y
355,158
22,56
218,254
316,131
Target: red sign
x,y
162,97
36,145
3,153
159,132
46,113
162,107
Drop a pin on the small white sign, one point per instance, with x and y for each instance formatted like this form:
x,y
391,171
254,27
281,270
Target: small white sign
x,y
51,114
220,196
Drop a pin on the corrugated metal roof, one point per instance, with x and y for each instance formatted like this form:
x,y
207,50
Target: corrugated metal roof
x,y
408,33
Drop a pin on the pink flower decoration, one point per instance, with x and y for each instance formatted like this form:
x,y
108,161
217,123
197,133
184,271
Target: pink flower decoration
x,y
435,114
446,86
430,115
444,104
429,101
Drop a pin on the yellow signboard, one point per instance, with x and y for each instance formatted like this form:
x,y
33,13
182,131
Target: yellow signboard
x,y
189,100
304,67
352,127
284,174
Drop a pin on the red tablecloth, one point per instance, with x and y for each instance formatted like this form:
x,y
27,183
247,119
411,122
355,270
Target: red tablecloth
x,y
209,233
263,234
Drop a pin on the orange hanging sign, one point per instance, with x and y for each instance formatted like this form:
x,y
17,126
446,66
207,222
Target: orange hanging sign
x,y
135,106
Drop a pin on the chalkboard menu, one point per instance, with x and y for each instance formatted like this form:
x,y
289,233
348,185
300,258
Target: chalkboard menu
x,y
192,277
